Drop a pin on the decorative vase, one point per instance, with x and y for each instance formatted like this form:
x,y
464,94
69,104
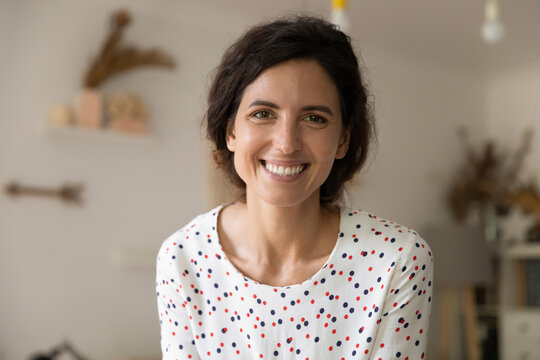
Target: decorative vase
x,y
90,108
489,221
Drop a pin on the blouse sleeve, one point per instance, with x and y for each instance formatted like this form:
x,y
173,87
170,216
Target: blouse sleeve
x,y
176,335
404,324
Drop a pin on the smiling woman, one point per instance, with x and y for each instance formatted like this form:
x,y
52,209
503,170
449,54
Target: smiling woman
x,y
288,121
285,271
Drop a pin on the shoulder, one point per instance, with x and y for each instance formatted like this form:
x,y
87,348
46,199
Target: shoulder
x,y
184,244
379,233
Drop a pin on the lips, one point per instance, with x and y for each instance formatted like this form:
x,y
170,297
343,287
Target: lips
x,y
284,169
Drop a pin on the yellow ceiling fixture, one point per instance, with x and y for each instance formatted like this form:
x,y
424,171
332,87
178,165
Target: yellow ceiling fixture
x,y
339,15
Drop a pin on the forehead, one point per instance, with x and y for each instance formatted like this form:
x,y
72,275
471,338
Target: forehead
x,y
294,81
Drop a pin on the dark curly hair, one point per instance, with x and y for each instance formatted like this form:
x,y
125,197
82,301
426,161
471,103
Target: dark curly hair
x,y
268,44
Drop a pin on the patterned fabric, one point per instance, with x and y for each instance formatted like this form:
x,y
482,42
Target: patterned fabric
x,y
371,300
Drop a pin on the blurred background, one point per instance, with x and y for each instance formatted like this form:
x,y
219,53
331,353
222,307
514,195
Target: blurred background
x,y
97,171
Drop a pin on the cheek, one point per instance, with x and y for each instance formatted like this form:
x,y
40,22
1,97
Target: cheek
x,y
249,143
250,139
325,148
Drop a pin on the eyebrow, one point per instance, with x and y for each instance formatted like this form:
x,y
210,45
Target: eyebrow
x,y
270,104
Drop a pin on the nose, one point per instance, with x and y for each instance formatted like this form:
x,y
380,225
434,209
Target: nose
x,y
287,137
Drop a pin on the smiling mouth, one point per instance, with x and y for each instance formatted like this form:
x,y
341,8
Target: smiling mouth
x,y
283,170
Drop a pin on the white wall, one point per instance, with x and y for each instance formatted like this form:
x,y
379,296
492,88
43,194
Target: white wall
x,y
419,106
57,276
513,105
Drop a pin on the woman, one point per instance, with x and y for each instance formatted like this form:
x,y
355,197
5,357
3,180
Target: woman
x,y
285,272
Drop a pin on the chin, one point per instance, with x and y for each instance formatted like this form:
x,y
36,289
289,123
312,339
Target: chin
x,y
285,200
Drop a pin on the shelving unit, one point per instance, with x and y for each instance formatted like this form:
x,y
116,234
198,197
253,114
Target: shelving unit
x,y
523,252
111,136
519,323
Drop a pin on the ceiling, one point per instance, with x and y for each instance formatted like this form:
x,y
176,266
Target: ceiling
x,y
445,30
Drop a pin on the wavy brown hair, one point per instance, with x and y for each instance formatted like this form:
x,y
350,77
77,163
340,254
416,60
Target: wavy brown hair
x,y
268,44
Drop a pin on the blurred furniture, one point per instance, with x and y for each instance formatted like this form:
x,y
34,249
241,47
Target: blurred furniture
x,y
57,352
463,261
519,329
67,193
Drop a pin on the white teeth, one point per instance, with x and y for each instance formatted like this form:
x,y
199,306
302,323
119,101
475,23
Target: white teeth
x,y
284,171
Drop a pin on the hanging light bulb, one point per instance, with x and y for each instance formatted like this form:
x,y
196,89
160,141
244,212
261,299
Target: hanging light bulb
x,y
339,15
492,28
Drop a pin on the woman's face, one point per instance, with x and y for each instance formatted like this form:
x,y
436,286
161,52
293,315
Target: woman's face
x,y
287,133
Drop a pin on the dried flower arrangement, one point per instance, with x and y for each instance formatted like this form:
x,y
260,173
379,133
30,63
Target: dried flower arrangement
x,y
115,58
527,197
491,177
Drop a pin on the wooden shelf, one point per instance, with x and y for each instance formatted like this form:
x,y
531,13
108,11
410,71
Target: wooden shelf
x,y
520,309
110,136
522,251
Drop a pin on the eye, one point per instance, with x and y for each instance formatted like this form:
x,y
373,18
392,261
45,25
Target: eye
x,y
262,114
316,119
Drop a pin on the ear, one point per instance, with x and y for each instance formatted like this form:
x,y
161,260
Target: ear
x,y
230,137
343,144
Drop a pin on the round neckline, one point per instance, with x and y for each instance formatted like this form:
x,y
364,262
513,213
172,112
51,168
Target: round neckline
x,y
317,275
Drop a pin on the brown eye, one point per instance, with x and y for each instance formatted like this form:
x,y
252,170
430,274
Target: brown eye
x,y
262,114
316,119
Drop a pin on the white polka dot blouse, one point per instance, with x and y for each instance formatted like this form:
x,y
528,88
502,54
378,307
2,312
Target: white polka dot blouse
x,y
371,299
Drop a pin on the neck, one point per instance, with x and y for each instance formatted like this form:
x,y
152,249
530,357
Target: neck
x,y
288,235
